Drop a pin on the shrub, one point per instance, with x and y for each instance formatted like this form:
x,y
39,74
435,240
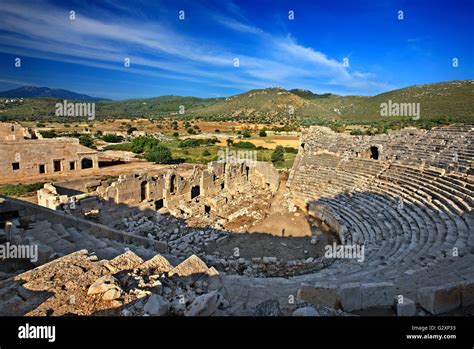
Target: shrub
x,y
176,134
246,134
193,143
245,145
86,141
262,133
357,132
159,154
119,146
188,143
291,150
49,134
278,154
190,130
111,138
206,152
143,143
131,130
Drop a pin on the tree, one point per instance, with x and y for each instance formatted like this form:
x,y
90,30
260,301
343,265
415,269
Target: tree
x,y
206,152
262,133
230,142
86,141
245,145
159,154
143,143
278,154
131,130
191,131
112,138
176,134
246,134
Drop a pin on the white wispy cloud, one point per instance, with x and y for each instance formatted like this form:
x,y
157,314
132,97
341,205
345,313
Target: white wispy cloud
x,y
101,40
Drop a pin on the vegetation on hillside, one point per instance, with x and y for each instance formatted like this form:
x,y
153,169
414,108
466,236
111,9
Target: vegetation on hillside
x,y
440,103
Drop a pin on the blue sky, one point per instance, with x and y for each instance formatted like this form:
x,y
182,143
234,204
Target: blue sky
x,y
196,56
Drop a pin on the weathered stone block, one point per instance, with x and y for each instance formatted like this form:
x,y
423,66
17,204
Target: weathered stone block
x,y
320,294
351,297
377,294
306,311
467,293
405,307
440,299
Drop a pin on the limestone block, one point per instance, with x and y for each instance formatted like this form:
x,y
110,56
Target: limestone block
x,y
377,294
405,308
440,299
320,294
467,293
351,297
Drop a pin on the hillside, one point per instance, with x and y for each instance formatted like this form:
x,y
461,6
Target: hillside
x,y
453,99
33,92
443,102
263,106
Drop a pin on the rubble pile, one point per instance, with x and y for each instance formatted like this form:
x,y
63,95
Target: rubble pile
x,y
81,284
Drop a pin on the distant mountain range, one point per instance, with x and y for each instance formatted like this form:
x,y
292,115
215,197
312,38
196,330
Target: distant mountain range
x,y
33,92
440,103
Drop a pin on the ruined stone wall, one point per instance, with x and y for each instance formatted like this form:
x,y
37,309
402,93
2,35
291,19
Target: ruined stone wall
x,y
176,190
28,212
169,190
264,174
36,156
14,131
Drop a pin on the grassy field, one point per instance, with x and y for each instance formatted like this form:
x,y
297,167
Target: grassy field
x,y
206,153
20,190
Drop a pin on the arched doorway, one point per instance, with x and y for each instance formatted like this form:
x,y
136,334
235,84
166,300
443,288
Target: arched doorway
x,y
374,152
86,163
370,153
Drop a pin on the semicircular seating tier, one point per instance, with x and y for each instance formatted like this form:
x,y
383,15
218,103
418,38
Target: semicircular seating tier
x,y
407,196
